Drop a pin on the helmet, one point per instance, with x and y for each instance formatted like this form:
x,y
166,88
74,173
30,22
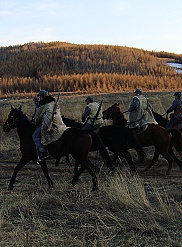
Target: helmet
x,y
43,93
90,98
36,99
178,94
138,91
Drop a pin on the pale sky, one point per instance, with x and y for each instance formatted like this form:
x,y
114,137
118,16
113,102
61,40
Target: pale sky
x,y
147,24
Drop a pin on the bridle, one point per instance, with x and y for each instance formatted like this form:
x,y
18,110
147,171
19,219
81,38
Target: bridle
x,y
109,113
12,120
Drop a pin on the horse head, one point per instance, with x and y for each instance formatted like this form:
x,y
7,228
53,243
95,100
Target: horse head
x,y
12,119
115,114
109,112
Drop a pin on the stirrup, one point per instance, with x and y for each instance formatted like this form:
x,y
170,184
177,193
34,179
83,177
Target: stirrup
x,y
44,157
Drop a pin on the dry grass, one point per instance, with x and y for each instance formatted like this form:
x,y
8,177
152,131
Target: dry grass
x,y
127,211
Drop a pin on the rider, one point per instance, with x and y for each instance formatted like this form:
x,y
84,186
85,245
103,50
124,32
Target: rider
x,y
176,107
49,121
89,114
36,102
140,111
92,118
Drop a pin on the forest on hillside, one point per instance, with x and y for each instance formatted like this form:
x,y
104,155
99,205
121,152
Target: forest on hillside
x,y
66,67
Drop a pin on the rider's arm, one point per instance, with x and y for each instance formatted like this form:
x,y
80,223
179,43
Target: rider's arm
x,y
85,113
172,107
134,104
38,115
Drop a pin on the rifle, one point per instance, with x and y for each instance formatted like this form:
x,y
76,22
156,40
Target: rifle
x,y
97,114
53,113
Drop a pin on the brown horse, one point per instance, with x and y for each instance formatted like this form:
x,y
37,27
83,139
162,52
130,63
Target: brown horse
x,y
155,135
74,141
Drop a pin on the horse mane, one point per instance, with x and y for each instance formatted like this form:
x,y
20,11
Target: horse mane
x,y
118,117
71,122
160,119
25,127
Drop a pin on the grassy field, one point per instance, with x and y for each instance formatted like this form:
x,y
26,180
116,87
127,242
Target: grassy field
x,y
141,210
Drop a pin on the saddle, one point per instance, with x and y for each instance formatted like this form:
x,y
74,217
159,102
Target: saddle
x,y
140,130
178,126
178,117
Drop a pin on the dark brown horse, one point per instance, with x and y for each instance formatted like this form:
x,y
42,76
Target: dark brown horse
x,y
155,135
117,139
163,121
74,141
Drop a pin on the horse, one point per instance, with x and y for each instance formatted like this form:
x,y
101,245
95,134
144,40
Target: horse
x,y
155,135
163,121
118,140
73,141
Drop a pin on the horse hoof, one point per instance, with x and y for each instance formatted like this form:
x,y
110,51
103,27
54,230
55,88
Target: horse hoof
x,y
10,187
73,183
112,170
94,189
133,172
97,170
141,160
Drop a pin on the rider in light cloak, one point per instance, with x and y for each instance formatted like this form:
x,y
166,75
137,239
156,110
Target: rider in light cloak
x,y
140,112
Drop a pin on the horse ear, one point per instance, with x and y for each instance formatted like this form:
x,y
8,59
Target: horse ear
x,y
20,108
118,104
12,107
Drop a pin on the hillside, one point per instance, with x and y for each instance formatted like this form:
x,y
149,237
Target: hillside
x,y
66,67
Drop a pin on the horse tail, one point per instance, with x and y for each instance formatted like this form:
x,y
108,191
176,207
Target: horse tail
x,y
101,148
176,138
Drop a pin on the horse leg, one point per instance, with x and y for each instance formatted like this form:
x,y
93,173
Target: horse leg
x,y
76,166
57,161
170,160
179,162
136,144
128,158
22,163
67,160
89,169
154,160
46,173
117,158
77,175
94,168
101,148
94,177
